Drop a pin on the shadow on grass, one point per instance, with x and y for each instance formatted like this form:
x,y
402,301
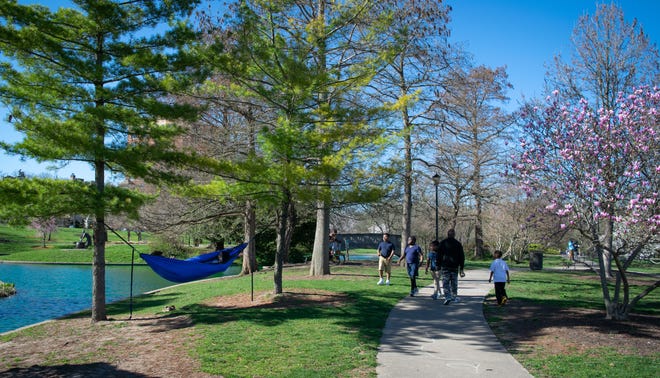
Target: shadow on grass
x,y
580,289
533,319
84,370
122,308
363,312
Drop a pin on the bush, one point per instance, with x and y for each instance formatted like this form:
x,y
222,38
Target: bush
x,y
302,243
7,289
172,248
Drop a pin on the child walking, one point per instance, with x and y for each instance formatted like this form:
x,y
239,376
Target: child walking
x,y
431,262
499,273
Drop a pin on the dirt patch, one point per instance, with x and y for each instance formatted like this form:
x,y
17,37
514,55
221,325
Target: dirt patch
x,y
142,347
541,330
288,299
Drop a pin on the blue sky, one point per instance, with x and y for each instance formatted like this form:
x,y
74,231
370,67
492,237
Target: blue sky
x,y
523,35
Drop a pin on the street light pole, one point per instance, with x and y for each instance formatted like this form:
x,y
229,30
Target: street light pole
x,y
436,182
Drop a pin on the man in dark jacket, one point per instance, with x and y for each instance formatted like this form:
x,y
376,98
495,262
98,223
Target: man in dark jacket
x,y
451,260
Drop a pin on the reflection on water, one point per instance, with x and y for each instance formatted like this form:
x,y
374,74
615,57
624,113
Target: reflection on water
x,y
46,291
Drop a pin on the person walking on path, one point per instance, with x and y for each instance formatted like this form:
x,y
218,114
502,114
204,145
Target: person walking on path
x,y
451,260
432,263
385,253
499,273
420,340
413,255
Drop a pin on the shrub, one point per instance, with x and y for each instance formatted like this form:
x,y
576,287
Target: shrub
x,y
7,289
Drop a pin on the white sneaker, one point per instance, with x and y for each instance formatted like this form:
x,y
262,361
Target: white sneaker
x,y
380,282
387,282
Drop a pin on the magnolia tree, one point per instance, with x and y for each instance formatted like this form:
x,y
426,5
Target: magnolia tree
x,y
599,169
45,226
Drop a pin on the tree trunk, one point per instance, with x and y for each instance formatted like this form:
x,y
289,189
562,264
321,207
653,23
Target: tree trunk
x,y
100,236
284,230
320,265
288,230
614,308
617,311
607,256
407,183
455,211
478,230
98,271
249,254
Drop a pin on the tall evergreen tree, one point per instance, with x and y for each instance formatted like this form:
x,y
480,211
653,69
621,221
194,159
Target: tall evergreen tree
x,y
93,83
301,62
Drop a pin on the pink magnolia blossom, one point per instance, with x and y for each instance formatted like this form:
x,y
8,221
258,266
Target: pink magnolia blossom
x,y
585,159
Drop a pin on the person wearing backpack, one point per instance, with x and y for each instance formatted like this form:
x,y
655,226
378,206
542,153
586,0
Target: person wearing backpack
x,y
451,260
432,264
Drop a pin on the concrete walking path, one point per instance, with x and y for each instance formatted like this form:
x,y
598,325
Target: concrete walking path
x,y
424,338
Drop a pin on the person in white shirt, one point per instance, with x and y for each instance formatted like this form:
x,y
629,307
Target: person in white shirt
x,y
499,273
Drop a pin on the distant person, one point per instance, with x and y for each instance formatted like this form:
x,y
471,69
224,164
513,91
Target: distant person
x,y
88,239
451,260
223,256
432,264
85,241
413,255
571,250
385,253
499,273
335,246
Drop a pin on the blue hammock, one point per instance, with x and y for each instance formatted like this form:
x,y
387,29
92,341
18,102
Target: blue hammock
x,y
194,268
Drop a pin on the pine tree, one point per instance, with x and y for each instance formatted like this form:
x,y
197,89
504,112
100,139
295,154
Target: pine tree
x,y
94,84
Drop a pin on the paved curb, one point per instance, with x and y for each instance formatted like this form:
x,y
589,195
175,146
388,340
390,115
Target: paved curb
x,y
424,338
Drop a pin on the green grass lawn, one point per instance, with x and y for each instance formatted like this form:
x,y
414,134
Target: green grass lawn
x,y
323,341
26,244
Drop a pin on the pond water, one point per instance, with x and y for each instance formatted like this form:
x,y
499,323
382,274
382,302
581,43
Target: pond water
x,y
48,291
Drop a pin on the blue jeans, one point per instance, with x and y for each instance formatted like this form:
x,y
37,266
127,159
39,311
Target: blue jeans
x,y
413,272
450,283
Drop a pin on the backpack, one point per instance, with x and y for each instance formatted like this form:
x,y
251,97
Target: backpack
x,y
433,261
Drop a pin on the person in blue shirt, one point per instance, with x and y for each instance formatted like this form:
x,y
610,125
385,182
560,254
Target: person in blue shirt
x,y
385,253
431,262
499,273
413,255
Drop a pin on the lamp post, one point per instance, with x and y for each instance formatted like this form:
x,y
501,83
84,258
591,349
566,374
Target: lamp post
x,y
436,182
